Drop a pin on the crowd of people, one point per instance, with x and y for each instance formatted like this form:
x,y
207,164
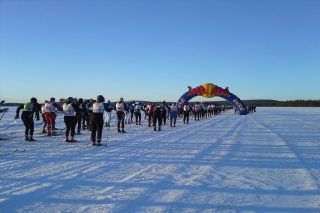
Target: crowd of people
x,y
95,114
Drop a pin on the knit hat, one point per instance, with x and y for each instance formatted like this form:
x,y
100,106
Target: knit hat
x,y
70,99
33,100
100,99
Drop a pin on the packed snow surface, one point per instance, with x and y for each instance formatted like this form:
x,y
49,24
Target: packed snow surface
x,y
267,161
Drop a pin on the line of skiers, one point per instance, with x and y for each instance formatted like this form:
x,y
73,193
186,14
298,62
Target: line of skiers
x,y
96,114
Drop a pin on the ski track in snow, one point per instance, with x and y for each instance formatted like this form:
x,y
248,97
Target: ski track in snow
x,y
268,161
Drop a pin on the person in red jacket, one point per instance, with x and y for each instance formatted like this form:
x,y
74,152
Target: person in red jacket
x,y
150,108
50,115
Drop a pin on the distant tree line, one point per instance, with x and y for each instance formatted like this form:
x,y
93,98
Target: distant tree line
x,y
296,103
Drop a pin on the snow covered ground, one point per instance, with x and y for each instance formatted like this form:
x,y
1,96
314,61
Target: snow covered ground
x,y
268,161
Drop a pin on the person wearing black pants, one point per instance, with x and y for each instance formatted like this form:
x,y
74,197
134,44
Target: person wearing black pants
x,y
133,105
70,119
157,116
80,113
120,109
164,112
196,110
96,120
150,113
186,110
137,113
85,115
27,117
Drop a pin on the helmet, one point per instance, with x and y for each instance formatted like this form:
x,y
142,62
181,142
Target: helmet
x,y
109,102
52,99
121,100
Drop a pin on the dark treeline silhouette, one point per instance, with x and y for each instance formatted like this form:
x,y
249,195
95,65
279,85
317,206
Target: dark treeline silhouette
x,y
295,103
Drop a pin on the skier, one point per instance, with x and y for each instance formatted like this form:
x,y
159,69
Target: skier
x,y
173,114
145,111
50,115
164,112
120,109
96,120
127,115
180,110
150,113
70,119
85,116
157,116
3,110
196,109
43,111
202,109
27,117
131,109
79,114
186,110
137,113
108,113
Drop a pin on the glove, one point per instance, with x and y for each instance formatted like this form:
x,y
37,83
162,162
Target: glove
x,y
3,110
16,117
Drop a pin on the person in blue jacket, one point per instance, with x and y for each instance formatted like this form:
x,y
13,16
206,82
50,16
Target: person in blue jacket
x,y
108,113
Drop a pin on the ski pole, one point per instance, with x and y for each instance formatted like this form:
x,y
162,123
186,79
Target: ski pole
x,y
107,136
11,125
7,123
3,114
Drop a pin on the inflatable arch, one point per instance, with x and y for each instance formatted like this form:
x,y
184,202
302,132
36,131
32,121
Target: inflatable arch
x,y
209,90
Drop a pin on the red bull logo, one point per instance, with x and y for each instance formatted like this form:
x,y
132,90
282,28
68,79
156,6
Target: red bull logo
x,y
218,91
203,91
200,90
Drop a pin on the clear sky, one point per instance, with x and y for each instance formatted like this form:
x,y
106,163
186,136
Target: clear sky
x,y
153,49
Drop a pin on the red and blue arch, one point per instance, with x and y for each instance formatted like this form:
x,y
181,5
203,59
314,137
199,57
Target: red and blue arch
x,y
210,90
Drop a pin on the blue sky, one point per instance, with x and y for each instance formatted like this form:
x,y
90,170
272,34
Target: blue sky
x,y
152,49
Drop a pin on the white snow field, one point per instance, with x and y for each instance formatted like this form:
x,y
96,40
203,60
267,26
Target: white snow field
x,y
268,161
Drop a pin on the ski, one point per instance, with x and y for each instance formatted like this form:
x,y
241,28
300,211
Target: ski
x,y
12,152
